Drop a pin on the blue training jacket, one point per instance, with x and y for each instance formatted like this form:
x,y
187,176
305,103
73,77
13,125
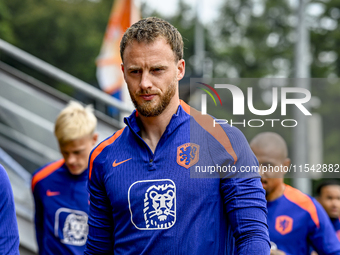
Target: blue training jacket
x,y
297,221
61,209
173,201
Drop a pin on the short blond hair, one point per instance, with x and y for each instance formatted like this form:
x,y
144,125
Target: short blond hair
x,y
74,121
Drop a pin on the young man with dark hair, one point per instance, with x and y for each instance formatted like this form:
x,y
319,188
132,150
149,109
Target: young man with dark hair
x,y
328,195
142,197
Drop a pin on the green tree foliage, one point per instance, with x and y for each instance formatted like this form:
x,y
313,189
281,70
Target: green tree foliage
x,y
6,30
325,38
65,33
253,39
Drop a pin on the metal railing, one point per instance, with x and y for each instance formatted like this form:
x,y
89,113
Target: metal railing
x,y
62,76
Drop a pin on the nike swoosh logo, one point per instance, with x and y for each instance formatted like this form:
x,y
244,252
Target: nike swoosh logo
x,y
114,164
52,193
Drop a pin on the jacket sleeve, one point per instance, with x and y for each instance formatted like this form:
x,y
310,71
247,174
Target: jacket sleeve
x,y
38,217
323,237
100,237
9,234
245,205
244,200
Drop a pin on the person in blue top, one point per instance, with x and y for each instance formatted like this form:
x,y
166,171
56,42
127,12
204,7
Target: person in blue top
x,y
328,195
150,191
296,221
9,234
60,188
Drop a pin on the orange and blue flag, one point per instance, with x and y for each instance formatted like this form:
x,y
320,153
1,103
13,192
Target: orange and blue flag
x,y
109,75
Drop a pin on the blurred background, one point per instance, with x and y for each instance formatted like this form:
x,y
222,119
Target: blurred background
x,y
52,51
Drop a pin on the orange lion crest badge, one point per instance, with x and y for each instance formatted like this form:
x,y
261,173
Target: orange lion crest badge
x,y
284,224
188,154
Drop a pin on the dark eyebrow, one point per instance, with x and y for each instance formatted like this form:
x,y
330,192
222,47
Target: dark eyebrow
x,y
133,68
159,67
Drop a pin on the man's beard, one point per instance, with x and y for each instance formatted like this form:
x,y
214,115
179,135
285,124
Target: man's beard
x,y
147,108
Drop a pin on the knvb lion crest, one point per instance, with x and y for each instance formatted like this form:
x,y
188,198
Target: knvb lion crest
x,y
188,154
284,224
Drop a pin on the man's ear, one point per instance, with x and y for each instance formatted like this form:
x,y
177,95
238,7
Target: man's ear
x,y
180,69
122,68
286,162
94,138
